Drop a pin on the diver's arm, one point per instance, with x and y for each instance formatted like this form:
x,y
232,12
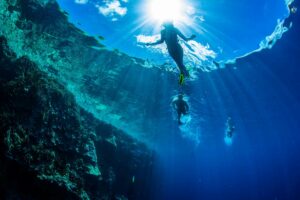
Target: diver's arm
x,y
162,39
174,104
155,43
183,36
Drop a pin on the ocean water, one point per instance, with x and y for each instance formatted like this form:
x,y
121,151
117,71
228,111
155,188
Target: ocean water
x,y
244,66
261,94
259,91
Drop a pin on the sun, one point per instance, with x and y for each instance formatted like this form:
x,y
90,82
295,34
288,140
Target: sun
x,y
165,10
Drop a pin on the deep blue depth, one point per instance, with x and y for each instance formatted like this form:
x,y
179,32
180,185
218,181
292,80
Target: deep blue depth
x,y
262,95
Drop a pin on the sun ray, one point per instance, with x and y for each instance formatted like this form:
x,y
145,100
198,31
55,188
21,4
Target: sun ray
x,y
165,10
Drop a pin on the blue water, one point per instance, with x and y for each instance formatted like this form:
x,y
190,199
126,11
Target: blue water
x,y
231,29
261,94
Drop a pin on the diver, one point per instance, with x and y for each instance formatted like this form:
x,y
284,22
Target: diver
x,y
169,35
181,107
293,9
229,127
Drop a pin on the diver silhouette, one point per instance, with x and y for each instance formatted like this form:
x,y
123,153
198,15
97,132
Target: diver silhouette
x,y
229,127
169,35
181,107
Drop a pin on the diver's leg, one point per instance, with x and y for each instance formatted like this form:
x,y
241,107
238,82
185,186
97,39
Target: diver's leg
x,y
179,117
181,67
177,56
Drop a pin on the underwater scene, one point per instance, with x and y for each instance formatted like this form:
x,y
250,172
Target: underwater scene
x,y
149,100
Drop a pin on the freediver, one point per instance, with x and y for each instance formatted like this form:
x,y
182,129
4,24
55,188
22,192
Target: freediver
x,y
169,35
181,107
229,127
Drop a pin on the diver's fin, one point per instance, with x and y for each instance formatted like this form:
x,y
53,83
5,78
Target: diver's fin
x,y
181,79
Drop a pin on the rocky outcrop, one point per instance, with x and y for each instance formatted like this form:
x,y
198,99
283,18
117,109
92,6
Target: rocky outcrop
x,y
52,149
115,87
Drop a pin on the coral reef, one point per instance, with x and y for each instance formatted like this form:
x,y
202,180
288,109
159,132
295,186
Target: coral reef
x,y
53,149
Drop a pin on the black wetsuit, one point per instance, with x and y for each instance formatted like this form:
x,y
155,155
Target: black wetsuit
x,y
182,108
169,35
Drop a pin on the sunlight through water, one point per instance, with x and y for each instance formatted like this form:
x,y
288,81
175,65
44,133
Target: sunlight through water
x,y
165,10
221,38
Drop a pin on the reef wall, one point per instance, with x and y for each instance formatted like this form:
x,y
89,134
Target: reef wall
x,y
52,149
115,87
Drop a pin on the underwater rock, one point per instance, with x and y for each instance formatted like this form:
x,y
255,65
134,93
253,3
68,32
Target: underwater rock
x,y
98,77
50,148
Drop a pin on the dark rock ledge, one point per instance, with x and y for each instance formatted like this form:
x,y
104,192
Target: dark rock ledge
x,y
53,149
